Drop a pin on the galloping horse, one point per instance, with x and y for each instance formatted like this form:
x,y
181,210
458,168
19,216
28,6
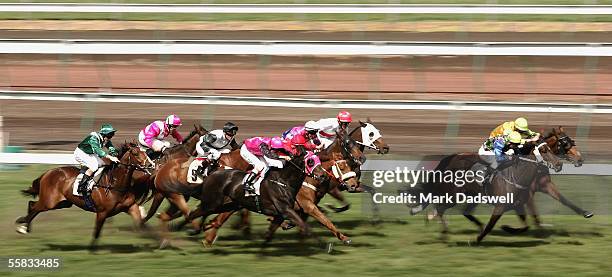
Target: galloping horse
x,y
343,147
520,180
222,191
112,195
559,143
182,151
367,136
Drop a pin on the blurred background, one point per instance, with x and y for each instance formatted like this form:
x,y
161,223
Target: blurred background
x,y
57,125
53,93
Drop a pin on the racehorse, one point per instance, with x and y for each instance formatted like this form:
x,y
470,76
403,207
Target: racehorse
x,y
343,147
560,144
113,194
223,191
519,180
182,151
367,136
465,161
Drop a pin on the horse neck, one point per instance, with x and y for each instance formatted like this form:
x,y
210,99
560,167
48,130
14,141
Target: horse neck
x,y
190,144
552,143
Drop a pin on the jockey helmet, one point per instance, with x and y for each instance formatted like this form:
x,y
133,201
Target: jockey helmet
x,y
173,120
230,128
521,124
107,129
310,127
298,140
345,116
515,137
277,143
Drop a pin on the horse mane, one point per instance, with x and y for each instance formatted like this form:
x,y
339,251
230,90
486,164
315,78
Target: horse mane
x,y
193,133
123,148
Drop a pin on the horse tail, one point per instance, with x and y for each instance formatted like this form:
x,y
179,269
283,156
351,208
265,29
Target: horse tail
x,y
34,189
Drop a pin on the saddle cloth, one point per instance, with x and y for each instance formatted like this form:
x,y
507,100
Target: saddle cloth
x,y
192,176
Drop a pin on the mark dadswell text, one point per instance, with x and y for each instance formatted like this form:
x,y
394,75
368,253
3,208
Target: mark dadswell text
x,y
457,198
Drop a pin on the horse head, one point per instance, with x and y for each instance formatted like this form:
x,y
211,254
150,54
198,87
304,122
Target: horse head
x,y
370,137
564,146
544,154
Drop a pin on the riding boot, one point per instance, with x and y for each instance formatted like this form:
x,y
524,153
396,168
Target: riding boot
x,y
83,185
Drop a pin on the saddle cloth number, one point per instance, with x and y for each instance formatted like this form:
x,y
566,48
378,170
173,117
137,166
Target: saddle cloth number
x,y
192,176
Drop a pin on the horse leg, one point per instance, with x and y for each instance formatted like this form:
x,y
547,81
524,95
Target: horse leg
x,y
100,219
274,224
34,208
213,226
468,214
311,209
158,198
181,203
551,189
440,209
297,219
495,216
520,212
134,212
337,194
533,212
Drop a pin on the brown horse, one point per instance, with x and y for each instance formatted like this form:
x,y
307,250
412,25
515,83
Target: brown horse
x,y
182,151
112,195
367,136
519,180
343,147
223,191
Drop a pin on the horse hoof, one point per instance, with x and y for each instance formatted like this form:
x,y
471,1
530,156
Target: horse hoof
x,y
330,247
22,229
347,241
207,244
164,243
587,214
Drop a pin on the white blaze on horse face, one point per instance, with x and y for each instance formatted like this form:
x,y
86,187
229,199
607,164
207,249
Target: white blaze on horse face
x,y
368,140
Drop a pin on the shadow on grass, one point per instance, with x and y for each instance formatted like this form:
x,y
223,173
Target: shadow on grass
x,y
509,244
285,249
113,248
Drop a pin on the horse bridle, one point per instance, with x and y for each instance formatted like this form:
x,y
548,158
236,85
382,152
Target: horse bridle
x,y
346,152
562,142
339,176
539,159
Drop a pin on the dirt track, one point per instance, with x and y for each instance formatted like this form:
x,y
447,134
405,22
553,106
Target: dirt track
x,y
59,125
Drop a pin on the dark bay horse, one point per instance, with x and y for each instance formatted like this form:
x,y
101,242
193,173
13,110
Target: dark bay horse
x,y
519,180
222,191
113,194
559,143
343,147
464,161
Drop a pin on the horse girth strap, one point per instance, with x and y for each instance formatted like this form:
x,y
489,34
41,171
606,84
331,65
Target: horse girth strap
x,y
308,185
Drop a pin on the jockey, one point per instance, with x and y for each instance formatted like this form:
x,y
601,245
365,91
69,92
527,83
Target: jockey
x,y
503,148
520,125
152,136
89,153
210,145
327,127
261,153
309,135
